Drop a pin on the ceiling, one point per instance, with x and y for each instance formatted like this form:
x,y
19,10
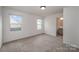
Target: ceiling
x,y
37,11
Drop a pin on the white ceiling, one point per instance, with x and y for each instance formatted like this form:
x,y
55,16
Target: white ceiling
x,y
37,11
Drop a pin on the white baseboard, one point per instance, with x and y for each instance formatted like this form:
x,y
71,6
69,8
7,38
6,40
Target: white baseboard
x,y
72,45
50,34
22,38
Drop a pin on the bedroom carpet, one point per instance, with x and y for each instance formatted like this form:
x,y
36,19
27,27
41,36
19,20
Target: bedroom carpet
x,y
39,43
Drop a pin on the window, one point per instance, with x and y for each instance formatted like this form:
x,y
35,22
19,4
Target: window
x,y
15,23
39,24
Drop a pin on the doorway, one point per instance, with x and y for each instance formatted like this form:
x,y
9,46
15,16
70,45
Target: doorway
x,y
59,27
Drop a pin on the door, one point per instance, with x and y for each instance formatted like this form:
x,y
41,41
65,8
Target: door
x,y
59,26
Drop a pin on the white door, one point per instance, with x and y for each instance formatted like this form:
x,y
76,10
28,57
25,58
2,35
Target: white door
x,y
0,28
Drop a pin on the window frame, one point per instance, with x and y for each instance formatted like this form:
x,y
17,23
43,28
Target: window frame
x,y
17,28
40,24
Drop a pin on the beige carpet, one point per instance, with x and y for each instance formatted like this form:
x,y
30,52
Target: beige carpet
x,y
40,43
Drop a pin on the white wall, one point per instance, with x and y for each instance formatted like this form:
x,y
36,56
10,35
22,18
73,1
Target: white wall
x,y
0,26
71,26
50,24
28,25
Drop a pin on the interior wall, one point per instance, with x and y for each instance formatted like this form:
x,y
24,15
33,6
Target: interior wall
x,y
50,24
0,27
71,26
29,26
